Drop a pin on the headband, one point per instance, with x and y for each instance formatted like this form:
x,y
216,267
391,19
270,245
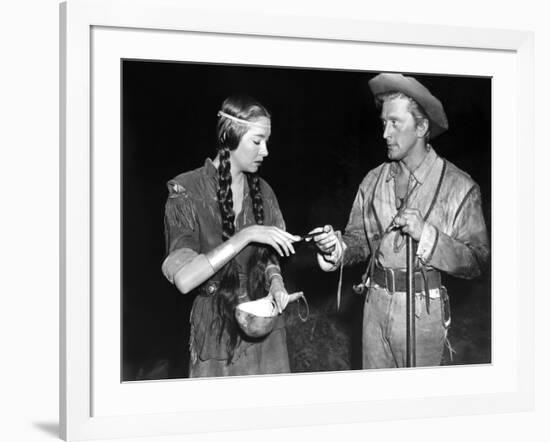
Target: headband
x,y
241,121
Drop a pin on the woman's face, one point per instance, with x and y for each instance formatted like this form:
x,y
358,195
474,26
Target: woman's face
x,y
252,149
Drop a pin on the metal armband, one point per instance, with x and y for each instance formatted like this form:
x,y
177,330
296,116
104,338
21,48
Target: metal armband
x,y
271,271
221,255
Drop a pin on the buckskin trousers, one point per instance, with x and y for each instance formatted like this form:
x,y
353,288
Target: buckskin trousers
x,y
385,328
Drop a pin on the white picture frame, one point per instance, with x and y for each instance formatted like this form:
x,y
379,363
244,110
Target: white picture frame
x,y
83,413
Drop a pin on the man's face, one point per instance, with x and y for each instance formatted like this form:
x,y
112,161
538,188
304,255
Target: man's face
x,y
400,128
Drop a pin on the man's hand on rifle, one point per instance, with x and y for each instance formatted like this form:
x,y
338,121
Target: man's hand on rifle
x,y
410,221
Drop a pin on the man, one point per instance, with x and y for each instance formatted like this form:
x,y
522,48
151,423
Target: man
x,y
416,193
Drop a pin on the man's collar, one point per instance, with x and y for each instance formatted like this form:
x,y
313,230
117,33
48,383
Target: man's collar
x,y
421,172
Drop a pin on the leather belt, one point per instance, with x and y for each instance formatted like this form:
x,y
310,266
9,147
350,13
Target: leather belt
x,y
395,280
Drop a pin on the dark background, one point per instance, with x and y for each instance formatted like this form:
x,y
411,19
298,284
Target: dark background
x,y
326,135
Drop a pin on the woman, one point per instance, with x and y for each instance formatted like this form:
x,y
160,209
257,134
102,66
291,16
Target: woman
x,y
223,231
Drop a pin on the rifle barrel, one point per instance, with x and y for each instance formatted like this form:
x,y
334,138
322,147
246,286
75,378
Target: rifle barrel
x,y
411,308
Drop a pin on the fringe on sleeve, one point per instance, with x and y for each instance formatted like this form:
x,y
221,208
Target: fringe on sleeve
x,y
179,210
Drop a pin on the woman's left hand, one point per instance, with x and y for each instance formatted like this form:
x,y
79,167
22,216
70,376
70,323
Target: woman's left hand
x,y
278,293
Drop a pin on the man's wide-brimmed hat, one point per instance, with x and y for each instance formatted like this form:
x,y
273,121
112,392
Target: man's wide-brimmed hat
x,y
384,83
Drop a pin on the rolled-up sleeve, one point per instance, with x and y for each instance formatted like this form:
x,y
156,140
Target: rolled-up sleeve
x,y
354,237
181,231
465,252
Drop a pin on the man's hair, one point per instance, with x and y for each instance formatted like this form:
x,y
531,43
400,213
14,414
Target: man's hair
x,y
416,110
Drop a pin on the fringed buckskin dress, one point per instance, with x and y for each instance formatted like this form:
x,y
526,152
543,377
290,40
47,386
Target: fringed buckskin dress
x,y
193,226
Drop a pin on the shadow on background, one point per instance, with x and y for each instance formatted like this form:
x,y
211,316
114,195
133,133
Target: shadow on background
x,y
51,428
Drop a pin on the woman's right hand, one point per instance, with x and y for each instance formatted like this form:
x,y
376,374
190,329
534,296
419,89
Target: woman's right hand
x,y
277,238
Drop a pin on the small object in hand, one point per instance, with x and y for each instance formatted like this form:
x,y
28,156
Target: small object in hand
x,y
309,236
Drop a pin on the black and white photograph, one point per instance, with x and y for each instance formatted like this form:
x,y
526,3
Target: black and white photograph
x,y
295,220
280,220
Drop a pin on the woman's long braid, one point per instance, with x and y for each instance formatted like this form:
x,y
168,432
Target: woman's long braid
x,y
256,196
229,136
225,194
229,278
259,259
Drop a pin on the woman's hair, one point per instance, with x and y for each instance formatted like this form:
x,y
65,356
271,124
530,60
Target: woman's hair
x,y
416,110
229,134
